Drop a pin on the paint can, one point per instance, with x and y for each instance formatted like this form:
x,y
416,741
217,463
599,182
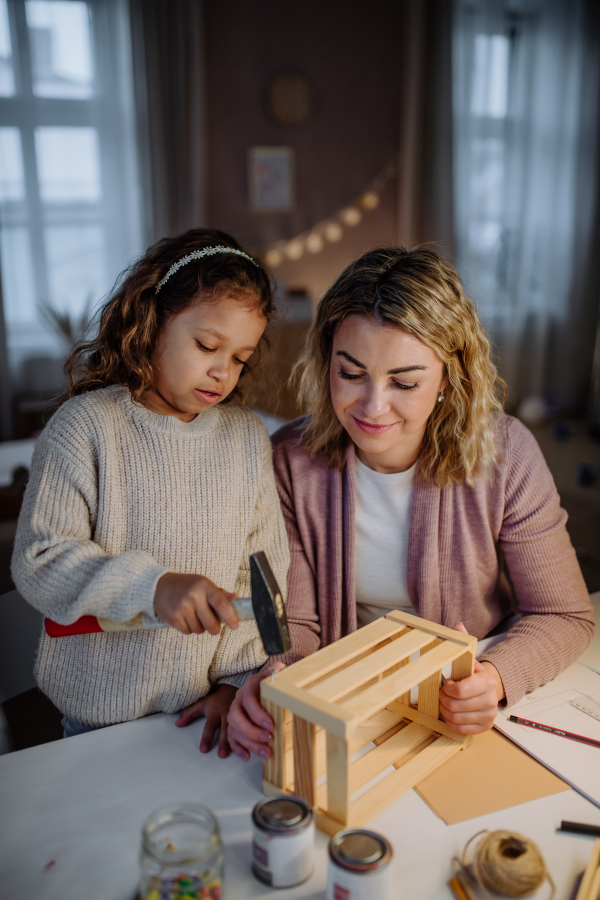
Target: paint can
x,y
359,866
283,836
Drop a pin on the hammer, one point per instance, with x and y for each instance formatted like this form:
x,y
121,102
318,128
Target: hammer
x,y
265,605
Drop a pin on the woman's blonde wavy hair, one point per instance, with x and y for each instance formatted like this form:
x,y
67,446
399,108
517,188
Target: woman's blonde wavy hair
x,y
417,291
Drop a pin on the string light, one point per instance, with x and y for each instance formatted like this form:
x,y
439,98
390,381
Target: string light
x,y
294,249
314,243
351,216
331,229
370,200
273,258
333,232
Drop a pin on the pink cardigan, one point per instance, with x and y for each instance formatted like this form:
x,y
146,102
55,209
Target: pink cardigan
x,y
453,568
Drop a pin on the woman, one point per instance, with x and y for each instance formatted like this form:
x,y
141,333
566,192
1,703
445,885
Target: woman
x,y
407,487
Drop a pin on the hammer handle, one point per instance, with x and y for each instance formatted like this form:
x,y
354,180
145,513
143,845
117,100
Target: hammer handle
x,y
98,625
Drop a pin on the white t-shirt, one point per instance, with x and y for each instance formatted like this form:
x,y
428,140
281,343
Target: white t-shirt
x,y
382,521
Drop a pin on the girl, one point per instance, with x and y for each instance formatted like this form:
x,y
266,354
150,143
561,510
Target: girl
x,y
149,491
407,487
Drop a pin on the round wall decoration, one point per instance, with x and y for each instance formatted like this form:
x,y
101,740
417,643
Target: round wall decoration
x,y
289,98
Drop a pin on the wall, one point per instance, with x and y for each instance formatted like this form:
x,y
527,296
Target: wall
x,y
354,55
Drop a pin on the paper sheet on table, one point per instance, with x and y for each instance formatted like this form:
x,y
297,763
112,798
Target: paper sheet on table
x,y
570,702
490,775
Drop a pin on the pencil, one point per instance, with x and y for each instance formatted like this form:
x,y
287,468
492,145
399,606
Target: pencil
x,y
559,731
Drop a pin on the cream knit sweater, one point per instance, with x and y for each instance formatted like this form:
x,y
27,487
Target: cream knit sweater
x,y
117,496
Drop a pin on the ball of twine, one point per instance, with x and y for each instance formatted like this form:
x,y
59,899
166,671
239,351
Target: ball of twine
x,y
508,864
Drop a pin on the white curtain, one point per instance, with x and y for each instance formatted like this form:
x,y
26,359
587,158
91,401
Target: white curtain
x,y
525,99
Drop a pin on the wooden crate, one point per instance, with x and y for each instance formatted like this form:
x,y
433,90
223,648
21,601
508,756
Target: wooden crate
x,y
330,705
589,889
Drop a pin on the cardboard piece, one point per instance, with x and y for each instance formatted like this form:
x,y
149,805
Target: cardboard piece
x,y
492,774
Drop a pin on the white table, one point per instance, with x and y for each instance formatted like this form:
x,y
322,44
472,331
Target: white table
x,y
81,802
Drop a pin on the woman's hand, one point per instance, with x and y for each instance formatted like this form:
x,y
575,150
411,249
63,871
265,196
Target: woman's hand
x,y
215,707
471,705
250,727
193,604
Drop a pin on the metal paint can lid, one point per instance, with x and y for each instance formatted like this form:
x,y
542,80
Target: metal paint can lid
x,y
359,850
282,815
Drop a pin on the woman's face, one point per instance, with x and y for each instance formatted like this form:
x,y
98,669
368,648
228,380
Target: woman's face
x,y
385,384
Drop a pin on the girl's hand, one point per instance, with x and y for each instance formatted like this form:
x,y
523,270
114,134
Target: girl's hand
x,y
250,727
215,707
471,705
193,604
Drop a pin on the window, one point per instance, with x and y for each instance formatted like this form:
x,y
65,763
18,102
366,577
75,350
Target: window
x,y
69,198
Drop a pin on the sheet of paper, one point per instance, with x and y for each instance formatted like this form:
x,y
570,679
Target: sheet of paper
x,y
570,702
490,775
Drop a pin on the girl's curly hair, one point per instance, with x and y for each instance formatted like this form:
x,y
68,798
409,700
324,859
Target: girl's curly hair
x,y
129,323
417,291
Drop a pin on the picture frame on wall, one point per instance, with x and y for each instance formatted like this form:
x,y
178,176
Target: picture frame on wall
x,y
271,179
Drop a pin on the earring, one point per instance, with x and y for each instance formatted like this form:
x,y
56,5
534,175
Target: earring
x,y
441,397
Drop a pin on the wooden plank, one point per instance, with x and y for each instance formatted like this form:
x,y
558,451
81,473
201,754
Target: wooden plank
x,y
326,824
440,631
392,751
388,789
273,768
584,892
374,698
428,700
333,718
437,725
323,661
305,775
463,667
338,793
374,727
377,661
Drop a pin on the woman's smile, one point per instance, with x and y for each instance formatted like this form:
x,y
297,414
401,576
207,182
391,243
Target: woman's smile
x,y
372,427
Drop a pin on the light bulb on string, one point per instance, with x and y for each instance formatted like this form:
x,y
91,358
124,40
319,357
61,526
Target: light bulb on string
x,y
314,243
294,249
273,258
370,200
333,232
351,216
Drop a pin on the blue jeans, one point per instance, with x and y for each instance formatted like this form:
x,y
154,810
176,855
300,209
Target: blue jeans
x,y
71,728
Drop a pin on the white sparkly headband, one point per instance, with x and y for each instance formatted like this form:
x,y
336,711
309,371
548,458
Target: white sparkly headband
x,y
198,254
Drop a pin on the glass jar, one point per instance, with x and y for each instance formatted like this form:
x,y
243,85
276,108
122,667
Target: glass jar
x,y
181,856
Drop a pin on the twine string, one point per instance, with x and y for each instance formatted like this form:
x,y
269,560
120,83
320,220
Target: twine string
x,y
506,863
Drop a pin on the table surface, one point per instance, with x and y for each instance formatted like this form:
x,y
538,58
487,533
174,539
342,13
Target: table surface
x,y
80,805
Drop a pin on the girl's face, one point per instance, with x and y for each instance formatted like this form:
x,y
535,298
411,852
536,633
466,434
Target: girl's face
x,y
200,355
385,384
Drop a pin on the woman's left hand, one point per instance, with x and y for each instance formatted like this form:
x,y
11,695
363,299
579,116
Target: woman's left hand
x,y
215,707
471,705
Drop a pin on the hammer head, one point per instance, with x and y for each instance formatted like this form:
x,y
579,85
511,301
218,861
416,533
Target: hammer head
x,y
268,607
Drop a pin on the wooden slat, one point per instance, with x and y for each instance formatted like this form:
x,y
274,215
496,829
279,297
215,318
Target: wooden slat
x,y
273,768
463,667
592,870
377,661
338,793
388,789
374,698
374,762
323,661
428,700
414,715
373,728
440,631
305,775
334,718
